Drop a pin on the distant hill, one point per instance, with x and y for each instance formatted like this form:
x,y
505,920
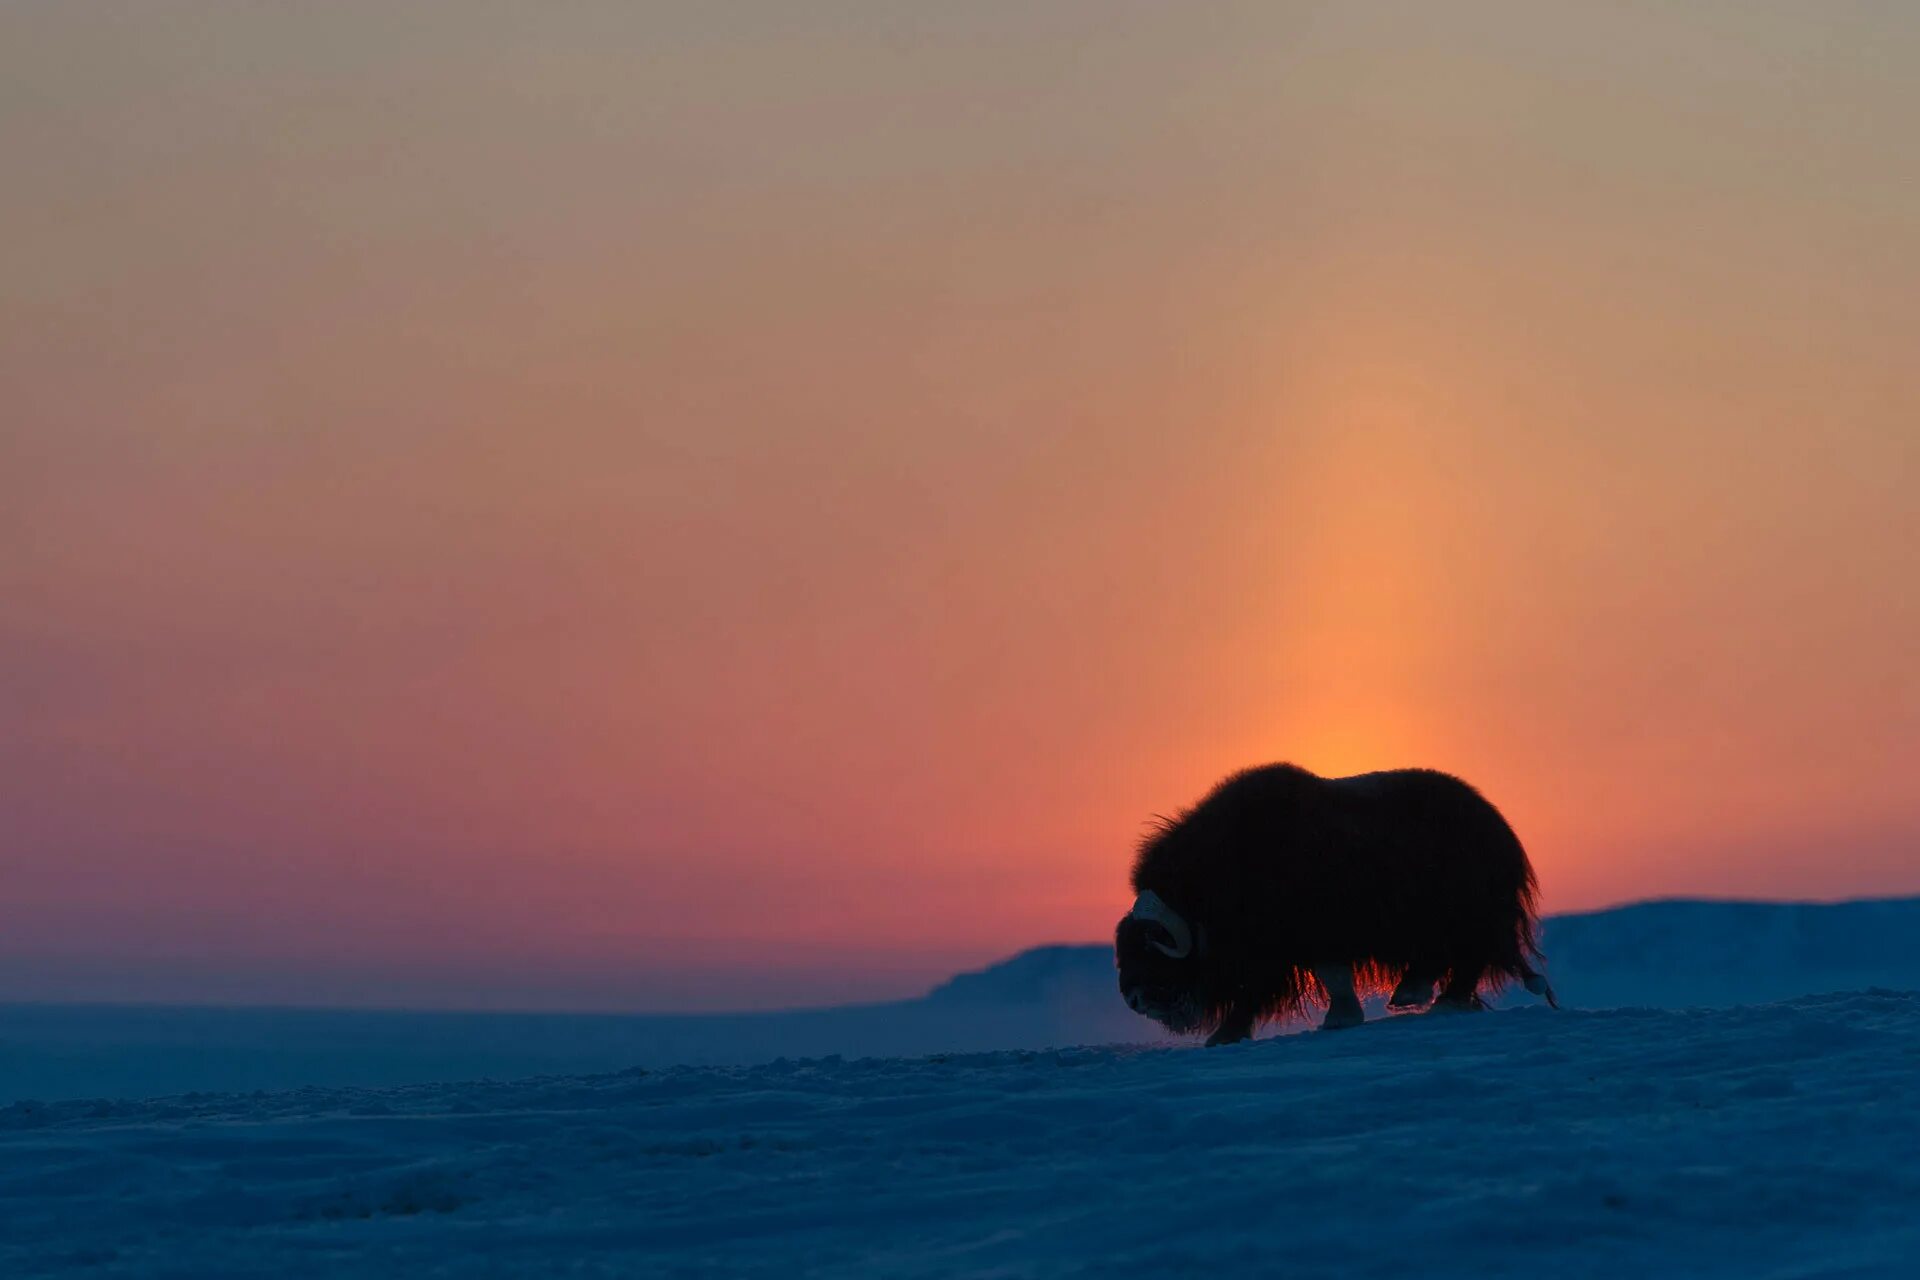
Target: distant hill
x,y
1679,952
1670,954
1039,975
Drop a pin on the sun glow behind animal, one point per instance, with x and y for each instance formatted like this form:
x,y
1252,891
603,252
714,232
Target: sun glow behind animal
x,y
837,548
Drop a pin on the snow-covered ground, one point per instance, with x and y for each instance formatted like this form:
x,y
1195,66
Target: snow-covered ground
x,y
1766,1141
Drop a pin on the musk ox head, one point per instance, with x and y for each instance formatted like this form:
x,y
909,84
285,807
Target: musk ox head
x,y
1161,973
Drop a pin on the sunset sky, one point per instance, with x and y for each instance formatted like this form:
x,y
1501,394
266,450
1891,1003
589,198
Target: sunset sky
x,y
736,504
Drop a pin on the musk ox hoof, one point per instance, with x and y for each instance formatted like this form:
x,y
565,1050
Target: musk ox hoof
x,y
1411,995
1233,1028
1458,1004
1340,1017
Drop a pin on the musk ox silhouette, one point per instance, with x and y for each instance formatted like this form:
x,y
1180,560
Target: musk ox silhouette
x,y
1281,887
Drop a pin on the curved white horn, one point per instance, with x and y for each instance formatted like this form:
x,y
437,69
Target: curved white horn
x,y
1148,907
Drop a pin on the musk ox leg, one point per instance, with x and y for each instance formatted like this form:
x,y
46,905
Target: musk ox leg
x,y
1343,1007
1462,992
1414,990
1235,1027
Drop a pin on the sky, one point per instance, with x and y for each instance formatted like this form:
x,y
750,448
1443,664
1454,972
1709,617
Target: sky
x,y
593,505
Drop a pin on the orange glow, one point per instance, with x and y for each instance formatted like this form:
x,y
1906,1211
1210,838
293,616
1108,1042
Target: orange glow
x,y
603,507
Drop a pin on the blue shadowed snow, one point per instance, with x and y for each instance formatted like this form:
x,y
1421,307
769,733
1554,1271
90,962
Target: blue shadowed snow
x,y
1774,1140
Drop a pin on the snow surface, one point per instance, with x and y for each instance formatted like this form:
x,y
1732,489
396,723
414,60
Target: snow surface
x,y
77,1051
1766,1141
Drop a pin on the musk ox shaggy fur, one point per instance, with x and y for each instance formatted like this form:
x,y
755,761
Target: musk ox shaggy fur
x,y
1281,888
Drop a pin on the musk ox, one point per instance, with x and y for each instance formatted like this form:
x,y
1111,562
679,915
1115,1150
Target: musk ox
x,y
1280,887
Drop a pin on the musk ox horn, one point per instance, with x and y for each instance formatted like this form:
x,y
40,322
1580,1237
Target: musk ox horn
x,y
1148,907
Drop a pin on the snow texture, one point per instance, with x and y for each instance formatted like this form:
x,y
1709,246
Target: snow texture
x,y
1765,1141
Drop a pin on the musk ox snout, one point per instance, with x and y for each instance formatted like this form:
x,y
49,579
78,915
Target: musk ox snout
x,y
1169,1005
1154,949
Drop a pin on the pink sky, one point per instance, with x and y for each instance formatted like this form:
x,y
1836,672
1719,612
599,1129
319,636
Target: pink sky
x,y
724,505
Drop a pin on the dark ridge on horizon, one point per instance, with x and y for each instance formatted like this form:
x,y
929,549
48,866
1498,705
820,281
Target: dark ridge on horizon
x,y
1694,900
